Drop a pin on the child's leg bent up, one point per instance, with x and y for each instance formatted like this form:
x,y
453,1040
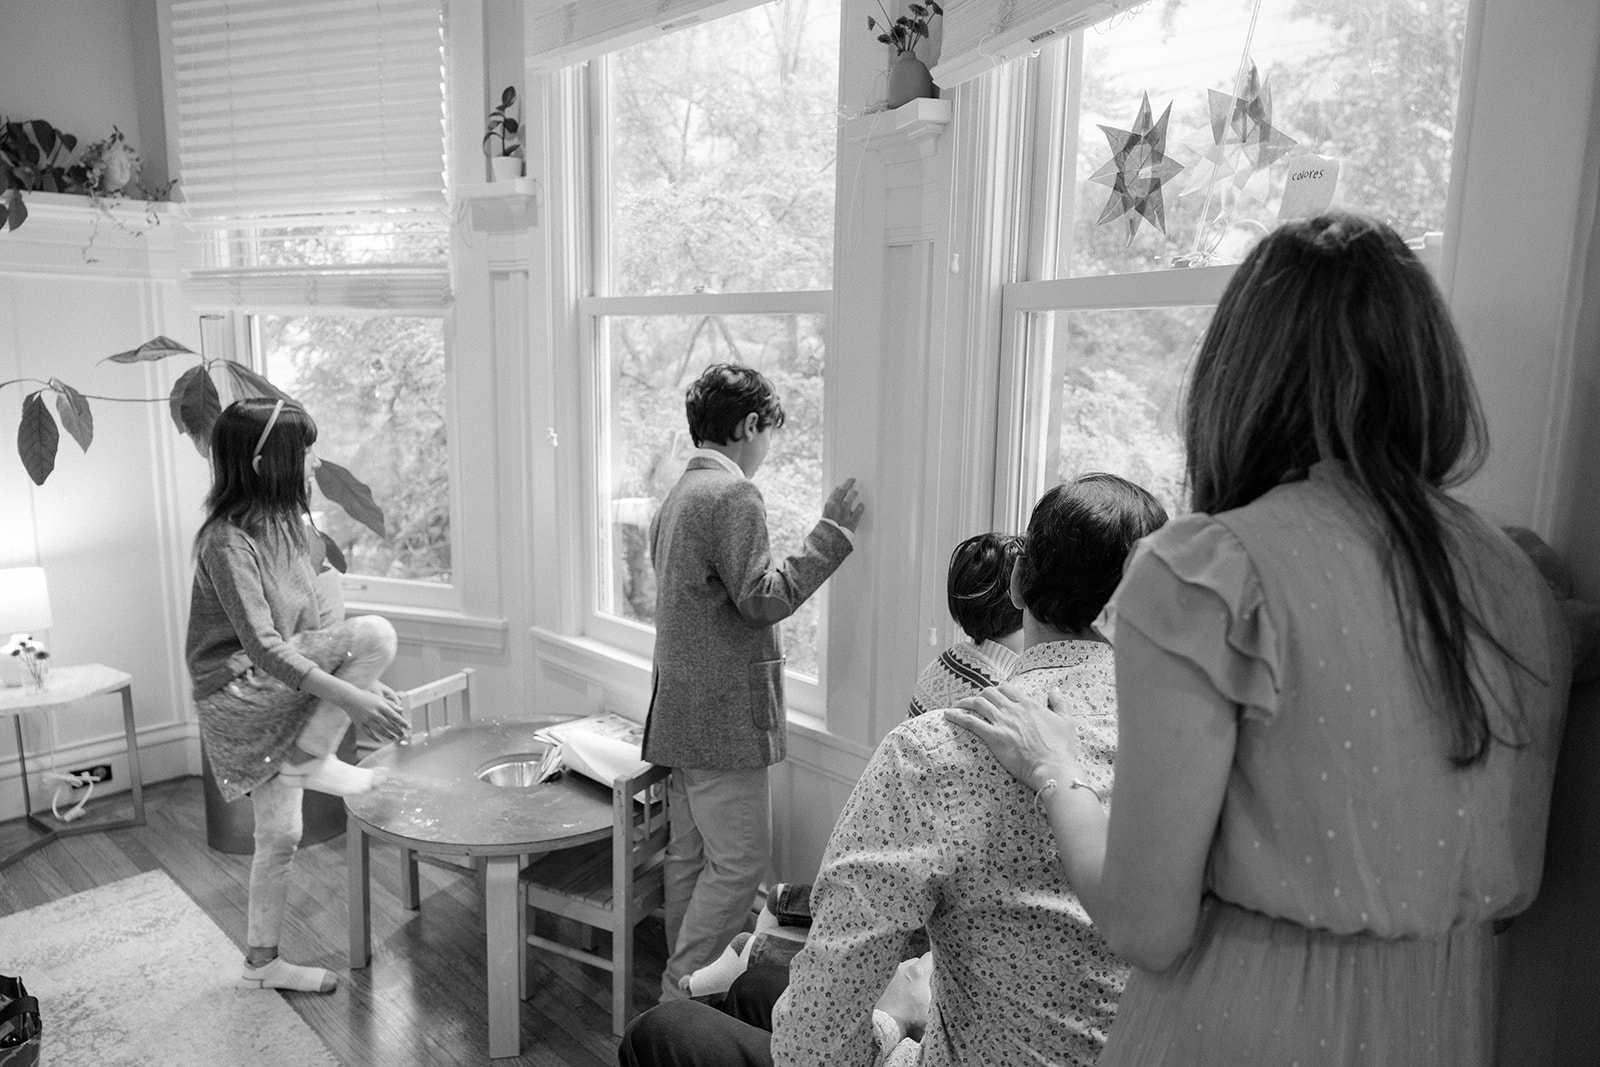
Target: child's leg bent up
x,y
372,649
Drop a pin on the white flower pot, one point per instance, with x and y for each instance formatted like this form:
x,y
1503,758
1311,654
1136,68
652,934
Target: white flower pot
x,y
504,168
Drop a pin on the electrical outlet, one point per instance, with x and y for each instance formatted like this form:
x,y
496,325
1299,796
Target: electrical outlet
x,y
100,772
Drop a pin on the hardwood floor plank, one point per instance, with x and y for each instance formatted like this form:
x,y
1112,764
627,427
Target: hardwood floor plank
x,y
422,999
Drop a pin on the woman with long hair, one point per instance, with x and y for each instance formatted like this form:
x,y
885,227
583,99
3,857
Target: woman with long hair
x,y
1340,692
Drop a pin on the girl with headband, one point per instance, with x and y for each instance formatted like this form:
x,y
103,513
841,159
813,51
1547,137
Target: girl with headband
x,y
278,676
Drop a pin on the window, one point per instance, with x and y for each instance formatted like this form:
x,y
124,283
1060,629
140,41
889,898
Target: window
x,y
316,220
1189,130
376,387
711,215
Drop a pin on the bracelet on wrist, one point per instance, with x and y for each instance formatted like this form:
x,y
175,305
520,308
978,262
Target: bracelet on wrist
x,y
1052,785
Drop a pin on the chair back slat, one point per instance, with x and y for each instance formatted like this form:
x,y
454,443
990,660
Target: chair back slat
x,y
440,702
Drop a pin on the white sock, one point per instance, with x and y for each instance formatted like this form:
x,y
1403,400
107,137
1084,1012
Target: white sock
x,y
329,774
278,973
718,975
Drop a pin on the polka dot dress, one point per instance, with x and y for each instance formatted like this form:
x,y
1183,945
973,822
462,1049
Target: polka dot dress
x,y
1354,869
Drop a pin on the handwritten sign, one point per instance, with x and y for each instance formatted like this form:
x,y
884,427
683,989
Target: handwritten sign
x,y
1310,187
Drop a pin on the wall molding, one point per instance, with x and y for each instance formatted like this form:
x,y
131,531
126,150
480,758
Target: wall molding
x,y
66,234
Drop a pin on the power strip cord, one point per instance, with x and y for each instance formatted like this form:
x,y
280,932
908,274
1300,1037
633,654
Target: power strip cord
x,y
69,781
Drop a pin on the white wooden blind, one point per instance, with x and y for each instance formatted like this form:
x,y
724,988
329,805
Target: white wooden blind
x,y
981,34
563,32
303,118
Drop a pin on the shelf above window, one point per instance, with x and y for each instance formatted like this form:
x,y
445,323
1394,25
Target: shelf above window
x,y
510,205
909,131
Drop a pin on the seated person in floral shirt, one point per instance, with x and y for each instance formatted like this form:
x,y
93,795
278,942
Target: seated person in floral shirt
x,y
934,835
978,591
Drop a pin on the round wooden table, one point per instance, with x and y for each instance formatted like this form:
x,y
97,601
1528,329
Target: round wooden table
x,y
435,802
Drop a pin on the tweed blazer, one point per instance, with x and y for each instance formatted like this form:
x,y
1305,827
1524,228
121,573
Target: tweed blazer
x,y
716,698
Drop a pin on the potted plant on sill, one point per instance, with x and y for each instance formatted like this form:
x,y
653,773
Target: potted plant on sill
x,y
35,156
506,131
909,78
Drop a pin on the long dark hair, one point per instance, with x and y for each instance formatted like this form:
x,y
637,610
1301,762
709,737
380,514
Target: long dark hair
x,y
1332,342
259,484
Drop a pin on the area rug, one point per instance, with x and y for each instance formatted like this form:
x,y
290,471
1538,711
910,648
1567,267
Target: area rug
x,y
135,973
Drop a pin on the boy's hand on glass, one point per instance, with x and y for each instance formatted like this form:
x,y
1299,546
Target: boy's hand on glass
x,y
842,506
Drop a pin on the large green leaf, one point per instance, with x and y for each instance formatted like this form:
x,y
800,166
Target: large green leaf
x,y
346,490
157,347
335,556
247,382
16,210
73,407
195,406
37,438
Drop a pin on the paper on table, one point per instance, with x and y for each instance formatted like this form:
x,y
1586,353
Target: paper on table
x,y
605,759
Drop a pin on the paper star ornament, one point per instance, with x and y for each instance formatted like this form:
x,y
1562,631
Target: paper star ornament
x,y
1246,121
1139,166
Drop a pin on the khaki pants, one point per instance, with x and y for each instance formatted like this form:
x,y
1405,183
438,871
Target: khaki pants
x,y
718,854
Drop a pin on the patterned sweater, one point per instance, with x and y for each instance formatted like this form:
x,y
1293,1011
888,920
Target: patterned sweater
x,y
960,671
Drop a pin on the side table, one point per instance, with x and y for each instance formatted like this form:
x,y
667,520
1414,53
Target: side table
x,y
68,685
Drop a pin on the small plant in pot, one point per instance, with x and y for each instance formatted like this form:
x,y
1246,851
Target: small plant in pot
x,y
909,78
502,138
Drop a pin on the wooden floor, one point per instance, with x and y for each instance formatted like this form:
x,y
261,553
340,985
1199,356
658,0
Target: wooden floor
x,y
422,999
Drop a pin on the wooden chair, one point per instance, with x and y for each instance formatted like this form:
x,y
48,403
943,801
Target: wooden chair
x,y
609,884
441,702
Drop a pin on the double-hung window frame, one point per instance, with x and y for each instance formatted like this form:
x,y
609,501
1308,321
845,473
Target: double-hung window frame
x,y
578,96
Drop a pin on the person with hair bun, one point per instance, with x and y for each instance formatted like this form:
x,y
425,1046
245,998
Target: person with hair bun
x,y
978,591
1340,692
277,677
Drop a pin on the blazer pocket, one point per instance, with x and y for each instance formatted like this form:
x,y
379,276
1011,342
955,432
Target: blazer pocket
x,y
766,694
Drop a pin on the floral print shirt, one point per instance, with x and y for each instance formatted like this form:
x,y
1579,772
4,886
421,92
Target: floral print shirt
x,y
938,834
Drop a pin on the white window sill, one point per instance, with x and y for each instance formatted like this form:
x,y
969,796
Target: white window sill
x,y
442,629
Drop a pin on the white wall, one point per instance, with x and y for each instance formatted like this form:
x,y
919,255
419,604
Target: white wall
x,y
72,63
109,525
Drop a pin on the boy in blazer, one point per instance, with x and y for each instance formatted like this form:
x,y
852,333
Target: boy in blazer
x,y
716,704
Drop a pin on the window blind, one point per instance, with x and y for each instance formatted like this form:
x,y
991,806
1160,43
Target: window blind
x,y
563,32
311,144
981,34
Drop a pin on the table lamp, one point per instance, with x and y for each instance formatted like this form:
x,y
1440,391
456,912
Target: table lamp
x,y
24,609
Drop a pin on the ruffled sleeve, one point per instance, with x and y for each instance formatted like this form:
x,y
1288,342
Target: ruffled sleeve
x,y
1193,590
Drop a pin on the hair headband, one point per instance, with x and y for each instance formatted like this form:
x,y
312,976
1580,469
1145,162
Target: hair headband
x,y
261,442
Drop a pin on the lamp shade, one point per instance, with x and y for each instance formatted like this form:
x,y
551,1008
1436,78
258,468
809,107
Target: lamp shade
x,y
24,600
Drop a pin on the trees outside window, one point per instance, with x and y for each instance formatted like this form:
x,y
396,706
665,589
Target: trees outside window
x,y
713,242
376,387
1368,86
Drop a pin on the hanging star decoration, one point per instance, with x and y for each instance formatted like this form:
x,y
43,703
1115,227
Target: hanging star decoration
x,y
1246,121
1139,166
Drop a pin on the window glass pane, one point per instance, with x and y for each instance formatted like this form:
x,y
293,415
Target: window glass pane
x,y
721,152
1352,98
651,361
392,242
376,388
1113,405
